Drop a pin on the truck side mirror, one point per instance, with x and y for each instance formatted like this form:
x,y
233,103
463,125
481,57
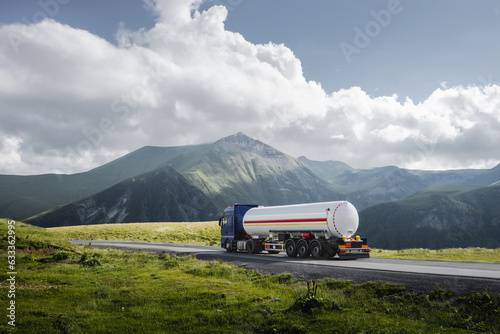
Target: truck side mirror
x,y
220,222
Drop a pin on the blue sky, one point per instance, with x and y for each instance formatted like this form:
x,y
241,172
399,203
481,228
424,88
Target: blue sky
x,y
426,43
329,92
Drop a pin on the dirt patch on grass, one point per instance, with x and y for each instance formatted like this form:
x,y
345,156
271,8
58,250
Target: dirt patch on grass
x,y
41,251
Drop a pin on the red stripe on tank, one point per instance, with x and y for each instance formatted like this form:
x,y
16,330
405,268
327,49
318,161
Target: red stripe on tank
x,y
307,220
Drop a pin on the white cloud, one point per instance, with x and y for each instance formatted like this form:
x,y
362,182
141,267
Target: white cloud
x,y
394,133
70,101
9,155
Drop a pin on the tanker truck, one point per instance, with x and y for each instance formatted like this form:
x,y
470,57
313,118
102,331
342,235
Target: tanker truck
x,y
323,230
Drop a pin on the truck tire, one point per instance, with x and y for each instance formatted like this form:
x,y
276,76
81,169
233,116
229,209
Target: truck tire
x,y
303,248
317,251
291,249
227,246
251,248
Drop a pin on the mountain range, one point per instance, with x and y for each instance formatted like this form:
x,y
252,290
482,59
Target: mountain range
x,y
162,195
192,183
437,217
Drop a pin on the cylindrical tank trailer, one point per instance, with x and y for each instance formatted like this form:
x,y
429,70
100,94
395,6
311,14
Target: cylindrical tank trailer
x,y
320,229
328,219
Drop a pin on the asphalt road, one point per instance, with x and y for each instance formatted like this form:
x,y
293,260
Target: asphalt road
x,y
416,275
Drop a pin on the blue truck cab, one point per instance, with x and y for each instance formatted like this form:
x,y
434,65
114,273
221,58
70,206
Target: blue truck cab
x,y
231,224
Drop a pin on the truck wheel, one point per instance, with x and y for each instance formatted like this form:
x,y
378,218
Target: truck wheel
x,y
303,248
291,249
251,247
227,246
335,252
317,250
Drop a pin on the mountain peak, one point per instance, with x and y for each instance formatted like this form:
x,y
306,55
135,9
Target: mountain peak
x,y
237,138
240,142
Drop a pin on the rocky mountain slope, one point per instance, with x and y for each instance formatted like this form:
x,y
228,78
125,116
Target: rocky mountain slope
x,y
235,169
24,196
159,196
327,170
239,169
368,187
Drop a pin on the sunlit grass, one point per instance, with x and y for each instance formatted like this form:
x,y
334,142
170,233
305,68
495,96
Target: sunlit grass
x,y
449,254
200,233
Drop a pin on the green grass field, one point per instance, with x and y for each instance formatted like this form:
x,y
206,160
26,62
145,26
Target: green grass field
x,y
62,288
208,233
202,233
449,254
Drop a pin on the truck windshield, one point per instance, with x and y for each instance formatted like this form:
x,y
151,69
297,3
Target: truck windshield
x,y
223,221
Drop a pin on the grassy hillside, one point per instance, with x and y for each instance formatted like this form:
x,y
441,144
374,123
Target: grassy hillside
x,y
202,233
62,288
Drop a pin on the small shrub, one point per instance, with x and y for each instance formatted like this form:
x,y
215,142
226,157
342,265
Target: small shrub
x,y
307,304
90,260
60,256
310,302
381,290
171,260
254,275
480,307
337,284
91,263
440,294
285,278
56,257
83,258
171,263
